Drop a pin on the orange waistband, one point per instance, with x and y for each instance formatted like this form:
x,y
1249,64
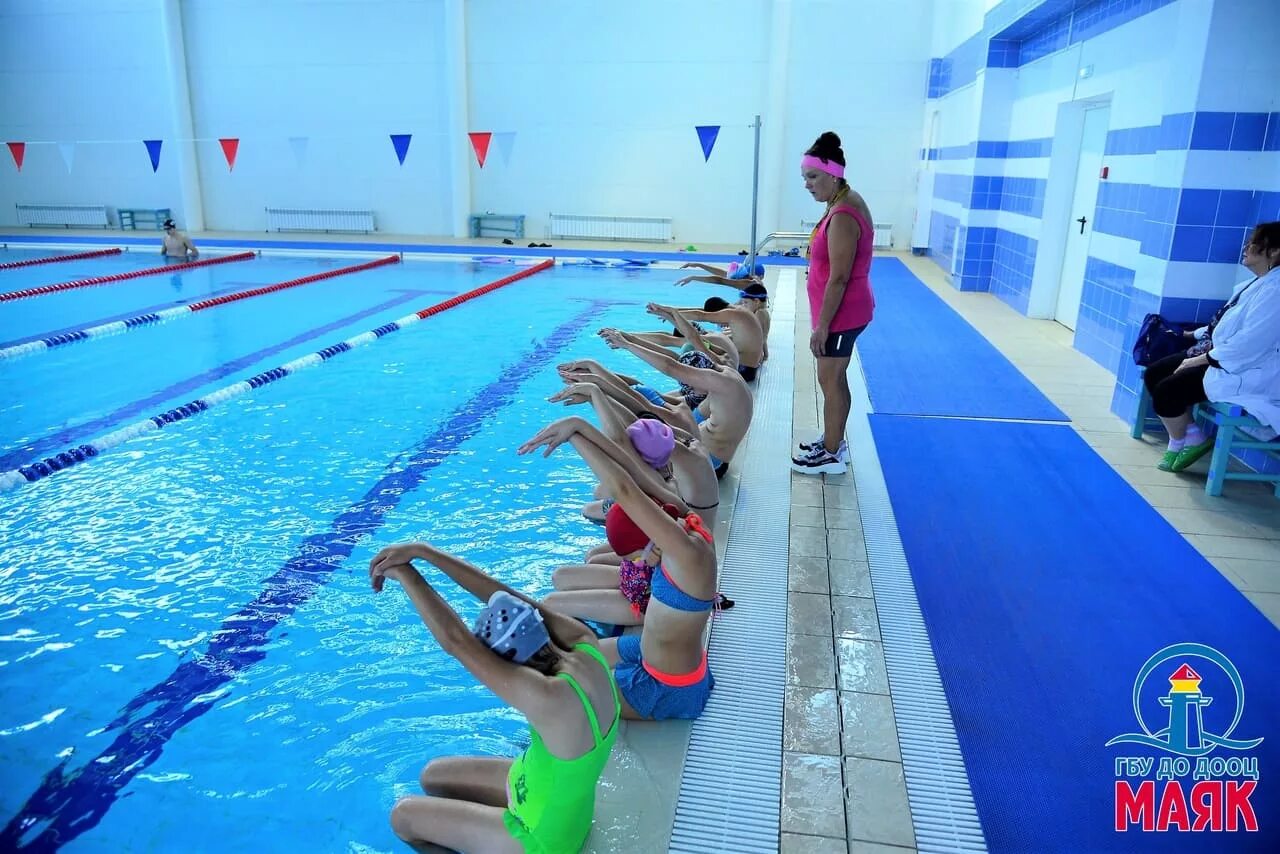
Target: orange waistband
x,y
683,680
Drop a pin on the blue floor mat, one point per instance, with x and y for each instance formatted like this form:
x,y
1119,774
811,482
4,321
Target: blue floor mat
x,y
1046,584
921,358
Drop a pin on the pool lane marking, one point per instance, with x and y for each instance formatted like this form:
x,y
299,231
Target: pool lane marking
x,y
38,469
231,288
69,802
42,290
74,434
153,317
54,259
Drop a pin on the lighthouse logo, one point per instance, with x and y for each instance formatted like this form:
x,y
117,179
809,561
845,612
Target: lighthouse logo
x,y
1213,792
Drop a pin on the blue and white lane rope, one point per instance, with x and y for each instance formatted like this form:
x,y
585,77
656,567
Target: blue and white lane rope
x,y
98,331
167,314
38,469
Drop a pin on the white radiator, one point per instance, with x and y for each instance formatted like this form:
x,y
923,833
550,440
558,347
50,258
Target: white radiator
x,y
881,239
308,219
657,229
63,215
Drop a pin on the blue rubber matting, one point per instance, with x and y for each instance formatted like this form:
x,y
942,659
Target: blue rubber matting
x,y
921,358
1046,584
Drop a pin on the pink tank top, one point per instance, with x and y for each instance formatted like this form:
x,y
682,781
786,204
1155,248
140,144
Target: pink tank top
x,y
858,303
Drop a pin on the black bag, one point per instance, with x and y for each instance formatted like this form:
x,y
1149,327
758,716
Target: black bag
x,y
1157,338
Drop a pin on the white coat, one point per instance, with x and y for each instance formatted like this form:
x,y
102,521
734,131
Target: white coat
x,y
1246,343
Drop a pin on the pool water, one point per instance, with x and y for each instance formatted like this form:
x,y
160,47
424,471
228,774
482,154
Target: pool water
x,y
191,650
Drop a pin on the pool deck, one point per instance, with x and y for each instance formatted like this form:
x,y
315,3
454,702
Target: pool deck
x,y
843,784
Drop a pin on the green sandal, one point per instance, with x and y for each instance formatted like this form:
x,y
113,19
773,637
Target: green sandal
x,y
1166,462
1191,453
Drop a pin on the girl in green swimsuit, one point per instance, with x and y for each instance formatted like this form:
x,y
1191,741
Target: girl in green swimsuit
x,y
545,665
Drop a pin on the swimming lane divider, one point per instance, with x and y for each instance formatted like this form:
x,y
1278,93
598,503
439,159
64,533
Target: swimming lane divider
x,y
53,259
72,800
168,314
121,277
73,456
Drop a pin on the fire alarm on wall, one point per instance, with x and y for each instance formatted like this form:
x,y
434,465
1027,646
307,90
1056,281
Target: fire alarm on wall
x,y
1105,171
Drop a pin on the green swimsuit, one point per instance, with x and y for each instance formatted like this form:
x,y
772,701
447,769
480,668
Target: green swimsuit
x,y
552,800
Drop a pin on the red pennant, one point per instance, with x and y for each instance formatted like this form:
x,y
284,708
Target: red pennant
x,y
480,142
19,151
230,147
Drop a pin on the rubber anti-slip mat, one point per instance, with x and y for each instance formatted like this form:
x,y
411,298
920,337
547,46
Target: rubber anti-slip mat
x,y
922,358
1047,585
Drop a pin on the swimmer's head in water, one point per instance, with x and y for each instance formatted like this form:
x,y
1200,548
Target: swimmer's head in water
x,y
652,440
511,627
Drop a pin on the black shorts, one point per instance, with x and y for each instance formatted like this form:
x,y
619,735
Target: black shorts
x,y
721,471
748,374
839,345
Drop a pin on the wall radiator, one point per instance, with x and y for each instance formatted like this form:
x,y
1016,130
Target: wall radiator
x,y
62,215
657,229
308,219
881,239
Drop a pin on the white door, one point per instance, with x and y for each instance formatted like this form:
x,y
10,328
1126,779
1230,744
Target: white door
x,y
1080,225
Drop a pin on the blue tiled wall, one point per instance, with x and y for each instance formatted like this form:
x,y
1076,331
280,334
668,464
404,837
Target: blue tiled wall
x,y
1017,32
1013,263
1190,224
1023,196
1105,313
953,187
942,238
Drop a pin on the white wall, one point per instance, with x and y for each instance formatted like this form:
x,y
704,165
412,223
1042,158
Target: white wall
x,y
346,74
870,93
88,72
953,21
603,100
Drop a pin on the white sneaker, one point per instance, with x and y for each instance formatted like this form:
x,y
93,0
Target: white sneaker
x,y
842,452
818,461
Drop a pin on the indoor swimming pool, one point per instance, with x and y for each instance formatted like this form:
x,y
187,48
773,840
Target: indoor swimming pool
x,y
191,647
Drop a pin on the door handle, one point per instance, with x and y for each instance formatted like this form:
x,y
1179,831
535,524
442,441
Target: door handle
x,y
1082,221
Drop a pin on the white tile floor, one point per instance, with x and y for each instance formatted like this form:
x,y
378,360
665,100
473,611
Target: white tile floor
x,y
839,728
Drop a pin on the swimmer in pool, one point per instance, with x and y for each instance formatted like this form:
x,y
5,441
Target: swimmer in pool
x,y
176,245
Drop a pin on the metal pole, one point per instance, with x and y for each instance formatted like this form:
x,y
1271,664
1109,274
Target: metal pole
x,y
755,199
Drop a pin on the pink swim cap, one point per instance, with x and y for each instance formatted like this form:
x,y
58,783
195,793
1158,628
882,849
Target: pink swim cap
x,y
653,440
733,267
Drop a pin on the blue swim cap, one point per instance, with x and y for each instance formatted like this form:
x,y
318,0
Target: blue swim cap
x,y
511,627
650,395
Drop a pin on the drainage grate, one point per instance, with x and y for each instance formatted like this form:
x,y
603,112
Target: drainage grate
x,y
942,808
731,789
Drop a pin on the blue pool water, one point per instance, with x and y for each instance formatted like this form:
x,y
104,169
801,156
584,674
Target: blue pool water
x,y
189,648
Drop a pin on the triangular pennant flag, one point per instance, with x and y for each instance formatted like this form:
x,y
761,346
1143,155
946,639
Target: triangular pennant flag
x,y
480,142
230,147
505,141
299,146
68,152
19,151
401,143
153,149
707,136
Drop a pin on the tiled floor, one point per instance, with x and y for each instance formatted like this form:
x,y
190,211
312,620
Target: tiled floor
x,y
839,731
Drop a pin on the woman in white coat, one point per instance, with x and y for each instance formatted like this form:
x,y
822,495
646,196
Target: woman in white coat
x,y
1242,367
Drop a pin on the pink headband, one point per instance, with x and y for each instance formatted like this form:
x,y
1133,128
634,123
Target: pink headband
x,y
829,166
